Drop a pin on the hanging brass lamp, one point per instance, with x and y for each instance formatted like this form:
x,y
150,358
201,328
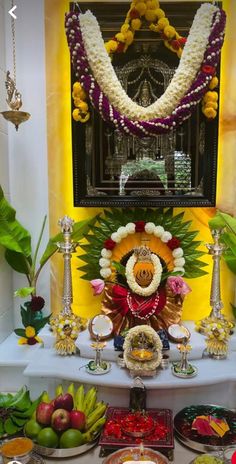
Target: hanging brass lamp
x,y
14,99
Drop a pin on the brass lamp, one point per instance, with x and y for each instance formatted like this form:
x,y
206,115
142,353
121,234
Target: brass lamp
x,y
14,99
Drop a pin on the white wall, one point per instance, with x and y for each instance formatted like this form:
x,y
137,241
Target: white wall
x,y
6,323
28,147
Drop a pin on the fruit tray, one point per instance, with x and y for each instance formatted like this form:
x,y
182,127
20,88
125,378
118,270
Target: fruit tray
x,y
64,452
163,443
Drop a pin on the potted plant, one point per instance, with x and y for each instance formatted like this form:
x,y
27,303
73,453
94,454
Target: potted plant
x,y
16,241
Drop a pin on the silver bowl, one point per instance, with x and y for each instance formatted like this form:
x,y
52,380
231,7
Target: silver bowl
x,y
64,452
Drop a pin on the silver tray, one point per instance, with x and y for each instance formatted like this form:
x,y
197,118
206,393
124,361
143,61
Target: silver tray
x,y
64,452
203,444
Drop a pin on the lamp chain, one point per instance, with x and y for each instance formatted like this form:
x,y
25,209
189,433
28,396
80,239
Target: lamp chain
x,y
13,44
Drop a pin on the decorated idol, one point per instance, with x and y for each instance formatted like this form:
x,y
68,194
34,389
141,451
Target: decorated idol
x,y
139,259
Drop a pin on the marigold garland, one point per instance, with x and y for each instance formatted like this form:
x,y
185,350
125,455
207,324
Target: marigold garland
x,y
149,9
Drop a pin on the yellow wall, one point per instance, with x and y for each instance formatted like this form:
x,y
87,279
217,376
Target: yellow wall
x,y
60,165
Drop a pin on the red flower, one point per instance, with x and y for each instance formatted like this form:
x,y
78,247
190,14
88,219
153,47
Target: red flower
x,y
120,47
139,226
175,44
134,14
32,341
37,303
182,40
206,68
173,243
109,244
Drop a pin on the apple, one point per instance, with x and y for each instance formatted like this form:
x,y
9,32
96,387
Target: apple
x,y
44,413
60,420
77,420
64,402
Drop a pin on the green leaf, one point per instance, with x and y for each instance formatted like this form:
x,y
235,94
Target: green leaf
x,y
25,315
233,310
5,400
13,236
24,292
231,262
18,261
120,269
20,332
223,220
40,323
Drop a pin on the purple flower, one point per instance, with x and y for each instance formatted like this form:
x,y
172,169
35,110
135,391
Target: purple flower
x,y
97,286
178,286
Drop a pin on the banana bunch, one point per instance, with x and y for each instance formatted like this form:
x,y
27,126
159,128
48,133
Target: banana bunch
x,y
93,410
15,411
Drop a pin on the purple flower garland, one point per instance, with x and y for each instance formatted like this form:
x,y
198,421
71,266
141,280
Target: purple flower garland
x,y
157,125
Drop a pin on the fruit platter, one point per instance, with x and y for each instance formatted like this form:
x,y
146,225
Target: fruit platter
x,y
68,424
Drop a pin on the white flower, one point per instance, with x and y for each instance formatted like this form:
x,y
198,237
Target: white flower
x,y
105,272
130,227
179,262
191,59
177,253
179,269
106,253
149,227
166,236
115,237
103,262
122,232
159,231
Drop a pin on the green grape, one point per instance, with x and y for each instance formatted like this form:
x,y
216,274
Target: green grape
x,y
207,459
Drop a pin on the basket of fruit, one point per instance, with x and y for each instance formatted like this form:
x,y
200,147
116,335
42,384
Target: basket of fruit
x,y
69,424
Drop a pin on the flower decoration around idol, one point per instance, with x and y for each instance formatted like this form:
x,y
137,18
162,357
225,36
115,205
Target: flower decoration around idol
x,y
142,350
140,265
193,77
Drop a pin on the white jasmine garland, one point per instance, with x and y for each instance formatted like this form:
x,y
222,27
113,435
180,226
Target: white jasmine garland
x,y
122,232
166,236
183,78
105,272
130,227
104,262
131,281
106,253
178,252
149,227
157,348
159,231
115,237
179,269
179,262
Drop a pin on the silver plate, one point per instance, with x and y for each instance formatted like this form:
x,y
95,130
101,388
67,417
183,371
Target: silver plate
x,y
99,372
185,376
64,452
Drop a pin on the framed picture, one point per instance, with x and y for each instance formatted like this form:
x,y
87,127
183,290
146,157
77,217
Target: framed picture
x,y
174,169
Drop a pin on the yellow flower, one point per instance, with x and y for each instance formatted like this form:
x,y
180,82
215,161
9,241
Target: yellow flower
x,y
83,106
179,52
210,96
124,28
30,331
211,104
22,341
169,32
152,4
75,114
150,15
77,87
141,8
162,23
113,45
160,13
120,36
85,118
129,37
39,340
214,83
209,113
136,24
